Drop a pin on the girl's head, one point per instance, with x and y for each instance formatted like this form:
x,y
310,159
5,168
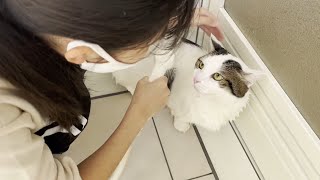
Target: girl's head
x,y
124,28
35,33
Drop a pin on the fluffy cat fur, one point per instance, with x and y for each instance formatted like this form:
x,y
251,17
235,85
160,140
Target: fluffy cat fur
x,y
196,97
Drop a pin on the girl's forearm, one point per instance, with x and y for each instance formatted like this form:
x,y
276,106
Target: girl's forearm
x,y
102,163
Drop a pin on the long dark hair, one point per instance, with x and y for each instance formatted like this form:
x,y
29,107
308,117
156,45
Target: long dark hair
x,y
55,86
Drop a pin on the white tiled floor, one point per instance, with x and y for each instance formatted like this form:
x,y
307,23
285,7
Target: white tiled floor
x,y
227,155
185,155
105,116
101,84
146,160
207,177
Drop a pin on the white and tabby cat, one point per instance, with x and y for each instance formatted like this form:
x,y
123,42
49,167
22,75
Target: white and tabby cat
x,y
209,89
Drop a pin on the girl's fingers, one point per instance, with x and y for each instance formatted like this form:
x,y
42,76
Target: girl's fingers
x,y
216,31
208,22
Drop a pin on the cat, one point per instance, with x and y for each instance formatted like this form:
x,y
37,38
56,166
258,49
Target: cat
x,y
207,89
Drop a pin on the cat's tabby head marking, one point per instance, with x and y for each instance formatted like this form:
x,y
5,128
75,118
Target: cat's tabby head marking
x,y
219,73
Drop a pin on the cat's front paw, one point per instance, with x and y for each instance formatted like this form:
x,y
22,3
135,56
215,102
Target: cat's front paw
x,y
181,126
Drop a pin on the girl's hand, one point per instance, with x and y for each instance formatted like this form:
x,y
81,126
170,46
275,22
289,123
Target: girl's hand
x,y
207,22
150,97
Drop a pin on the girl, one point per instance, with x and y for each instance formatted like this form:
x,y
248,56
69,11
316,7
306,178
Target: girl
x,y
44,104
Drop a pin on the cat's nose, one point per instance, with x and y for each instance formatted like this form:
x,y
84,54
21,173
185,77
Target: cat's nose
x,y
195,81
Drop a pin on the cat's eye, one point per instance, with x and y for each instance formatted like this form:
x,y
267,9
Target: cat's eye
x,y
217,77
199,64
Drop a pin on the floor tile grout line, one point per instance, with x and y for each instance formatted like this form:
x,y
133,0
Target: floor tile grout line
x,y
164,154
246,149
109,95
200,176
214,172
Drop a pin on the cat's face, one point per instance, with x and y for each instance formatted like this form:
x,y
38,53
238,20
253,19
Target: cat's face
x,y
221,73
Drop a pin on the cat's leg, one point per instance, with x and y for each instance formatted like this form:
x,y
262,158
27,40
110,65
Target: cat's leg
x,y
180,112
181,125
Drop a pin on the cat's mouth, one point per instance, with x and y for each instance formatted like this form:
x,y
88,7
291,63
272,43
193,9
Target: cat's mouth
x,y
196,81
198,87
196,84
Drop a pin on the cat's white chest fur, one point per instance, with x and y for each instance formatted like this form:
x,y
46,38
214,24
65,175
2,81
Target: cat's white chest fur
x,y
209,113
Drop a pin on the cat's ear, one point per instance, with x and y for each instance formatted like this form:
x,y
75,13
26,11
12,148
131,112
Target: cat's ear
x,y
251,76
216,45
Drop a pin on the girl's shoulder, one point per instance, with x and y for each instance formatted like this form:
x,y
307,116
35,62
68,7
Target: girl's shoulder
x,y
14,109
20,148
